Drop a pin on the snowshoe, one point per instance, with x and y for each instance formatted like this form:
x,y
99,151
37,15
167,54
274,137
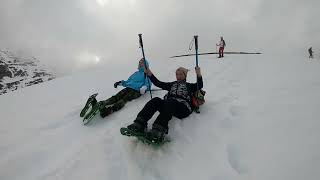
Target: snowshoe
x,y
155,136
142,136
93,112
134,129
90,103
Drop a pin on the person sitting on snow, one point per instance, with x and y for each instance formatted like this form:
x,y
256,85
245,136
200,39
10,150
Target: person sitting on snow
x,y
177,102
136,85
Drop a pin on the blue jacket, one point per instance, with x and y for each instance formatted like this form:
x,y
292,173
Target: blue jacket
x,y
137,80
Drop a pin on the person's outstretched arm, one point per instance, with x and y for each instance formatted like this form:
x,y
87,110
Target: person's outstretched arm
x,y
156,82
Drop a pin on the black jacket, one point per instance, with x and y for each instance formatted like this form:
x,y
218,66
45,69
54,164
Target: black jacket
x,y
180,91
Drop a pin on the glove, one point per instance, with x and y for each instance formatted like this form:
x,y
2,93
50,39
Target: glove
x,y
143,90
116,84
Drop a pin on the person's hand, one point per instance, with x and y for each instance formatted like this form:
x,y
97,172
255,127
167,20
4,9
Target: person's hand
x,y
198,71
147,71
143,90
116,84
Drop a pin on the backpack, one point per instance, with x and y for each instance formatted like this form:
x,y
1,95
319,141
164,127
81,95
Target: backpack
x,y
197,99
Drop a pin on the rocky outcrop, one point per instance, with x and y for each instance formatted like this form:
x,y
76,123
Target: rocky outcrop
x,y
18,72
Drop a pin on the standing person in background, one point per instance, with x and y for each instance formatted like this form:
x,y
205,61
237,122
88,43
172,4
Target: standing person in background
x,y
222,45
310,52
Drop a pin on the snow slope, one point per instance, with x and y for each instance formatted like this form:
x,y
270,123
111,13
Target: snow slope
x,y
260,121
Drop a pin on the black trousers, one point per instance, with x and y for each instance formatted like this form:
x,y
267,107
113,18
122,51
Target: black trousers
x,y
167,109
126,94
121,98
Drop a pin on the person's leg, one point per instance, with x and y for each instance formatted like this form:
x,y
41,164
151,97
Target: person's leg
x,y
140,123
128,96
131,95
222,52
171,108
182,111
149,109
166,113
160,127
116,97
114,103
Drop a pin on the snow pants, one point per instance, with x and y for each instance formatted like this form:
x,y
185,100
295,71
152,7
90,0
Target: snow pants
x,y
121,98
167,109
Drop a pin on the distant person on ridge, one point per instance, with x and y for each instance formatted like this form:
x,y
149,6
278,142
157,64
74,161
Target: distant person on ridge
x,y
310,52
137,84
221,45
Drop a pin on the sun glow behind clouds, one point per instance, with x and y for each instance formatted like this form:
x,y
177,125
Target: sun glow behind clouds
x,y
86,59
102,2
117,3
97,59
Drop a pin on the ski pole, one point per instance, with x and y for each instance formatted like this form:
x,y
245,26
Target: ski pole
x,y
196,47
145,64
197,64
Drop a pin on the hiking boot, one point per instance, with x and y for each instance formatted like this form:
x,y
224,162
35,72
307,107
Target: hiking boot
x,y
156,134
105,111
137,128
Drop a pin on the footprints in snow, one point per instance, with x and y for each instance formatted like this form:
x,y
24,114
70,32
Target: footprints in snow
x,y
232,117
234,158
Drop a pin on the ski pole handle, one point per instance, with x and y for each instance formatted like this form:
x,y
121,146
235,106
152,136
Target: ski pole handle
x,y
140,40
196,46
196,42
141,45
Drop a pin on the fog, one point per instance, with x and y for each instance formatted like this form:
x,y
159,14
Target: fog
x,y
77,34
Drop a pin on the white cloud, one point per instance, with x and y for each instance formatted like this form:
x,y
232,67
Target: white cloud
x,y
58,31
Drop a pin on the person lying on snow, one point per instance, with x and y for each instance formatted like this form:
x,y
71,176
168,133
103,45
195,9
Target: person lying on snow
x,y
177,102
136,85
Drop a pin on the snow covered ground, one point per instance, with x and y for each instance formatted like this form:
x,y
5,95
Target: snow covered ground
x,y
260,122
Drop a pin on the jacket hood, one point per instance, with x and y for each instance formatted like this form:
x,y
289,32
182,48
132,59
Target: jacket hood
x,y
141,68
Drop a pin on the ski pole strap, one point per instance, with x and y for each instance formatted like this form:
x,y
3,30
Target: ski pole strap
x,y
191,44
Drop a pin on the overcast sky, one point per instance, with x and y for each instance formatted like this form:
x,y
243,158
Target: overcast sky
x,y
72,34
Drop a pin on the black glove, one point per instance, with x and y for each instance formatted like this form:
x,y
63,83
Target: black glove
x,y
116,84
